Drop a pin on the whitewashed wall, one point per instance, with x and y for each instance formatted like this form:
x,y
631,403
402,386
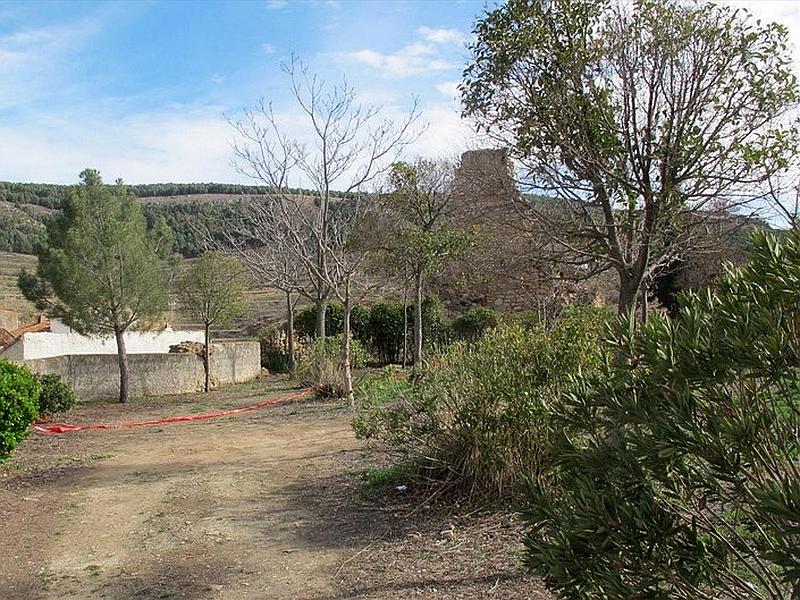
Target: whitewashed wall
x,y
154,374
62,341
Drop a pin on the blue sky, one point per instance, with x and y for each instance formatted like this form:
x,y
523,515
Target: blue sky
x,y
139,89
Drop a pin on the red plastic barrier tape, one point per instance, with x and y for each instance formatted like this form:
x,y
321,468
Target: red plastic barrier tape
x,y
66,428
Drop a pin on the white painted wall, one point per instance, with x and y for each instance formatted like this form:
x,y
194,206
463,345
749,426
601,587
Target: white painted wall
x,y
61,340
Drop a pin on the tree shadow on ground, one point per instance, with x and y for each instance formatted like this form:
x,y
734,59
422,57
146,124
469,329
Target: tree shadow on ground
x,y
397,545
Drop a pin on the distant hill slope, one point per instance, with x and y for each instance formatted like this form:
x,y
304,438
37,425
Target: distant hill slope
x,y
10,296
21,227
28,206
264,304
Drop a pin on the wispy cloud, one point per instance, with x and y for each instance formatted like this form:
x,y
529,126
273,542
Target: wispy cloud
x,y
448,88
431,52
267,48
181,144
276,4
441,36
33,60
411,60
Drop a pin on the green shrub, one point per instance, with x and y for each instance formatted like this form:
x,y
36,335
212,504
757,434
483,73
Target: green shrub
x,y
56,396
306,320
19,397
375,397
321,365
436,330
471,325
677,470
379,327
480,412
384,331
529,319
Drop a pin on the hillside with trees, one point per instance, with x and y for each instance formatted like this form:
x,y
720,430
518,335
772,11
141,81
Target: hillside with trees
x,y
26,207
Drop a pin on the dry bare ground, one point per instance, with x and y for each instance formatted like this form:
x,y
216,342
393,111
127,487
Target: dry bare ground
x,y
263,505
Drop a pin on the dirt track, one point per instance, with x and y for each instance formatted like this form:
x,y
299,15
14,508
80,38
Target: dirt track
x,y
261,505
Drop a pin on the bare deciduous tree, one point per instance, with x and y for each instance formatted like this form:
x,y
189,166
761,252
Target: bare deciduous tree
x,y
264,248
343,149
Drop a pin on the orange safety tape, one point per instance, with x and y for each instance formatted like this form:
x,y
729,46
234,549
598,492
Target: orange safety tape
x,y
65,428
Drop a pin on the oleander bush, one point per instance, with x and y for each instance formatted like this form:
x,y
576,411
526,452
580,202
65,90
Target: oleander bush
x,y
677,464
471,325
19,397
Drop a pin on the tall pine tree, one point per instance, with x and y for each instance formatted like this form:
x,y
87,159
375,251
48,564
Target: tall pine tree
x,y
102,272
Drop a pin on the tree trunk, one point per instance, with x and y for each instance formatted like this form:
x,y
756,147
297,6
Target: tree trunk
x,y
207,358
321,305
290,330
347,373
418,320
122,359
628,292
645,304
405,324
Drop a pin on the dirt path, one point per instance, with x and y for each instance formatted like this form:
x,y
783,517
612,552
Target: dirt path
x,y
253,506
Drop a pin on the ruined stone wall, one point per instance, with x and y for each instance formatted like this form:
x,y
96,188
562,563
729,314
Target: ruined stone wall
x,y
96,376
502,270
498,273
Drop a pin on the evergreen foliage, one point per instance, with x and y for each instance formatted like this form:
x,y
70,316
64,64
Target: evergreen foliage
x,y
102,271
56,396
676,465
478,416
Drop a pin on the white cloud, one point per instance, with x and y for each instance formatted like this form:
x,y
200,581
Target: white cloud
x,y
276,4
414,59
183,144
447,135
267,48
33,60
441,36
217,78
449,88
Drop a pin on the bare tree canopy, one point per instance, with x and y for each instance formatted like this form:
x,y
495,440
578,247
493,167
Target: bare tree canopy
x,y
648,121
344,147
317,244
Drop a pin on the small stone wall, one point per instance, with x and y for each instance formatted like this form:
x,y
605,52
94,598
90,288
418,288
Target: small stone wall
x,y
96,376
61,341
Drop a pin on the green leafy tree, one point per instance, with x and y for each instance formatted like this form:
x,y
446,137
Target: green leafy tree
x,y
214,290
422,238
677,472
649,121
102,271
